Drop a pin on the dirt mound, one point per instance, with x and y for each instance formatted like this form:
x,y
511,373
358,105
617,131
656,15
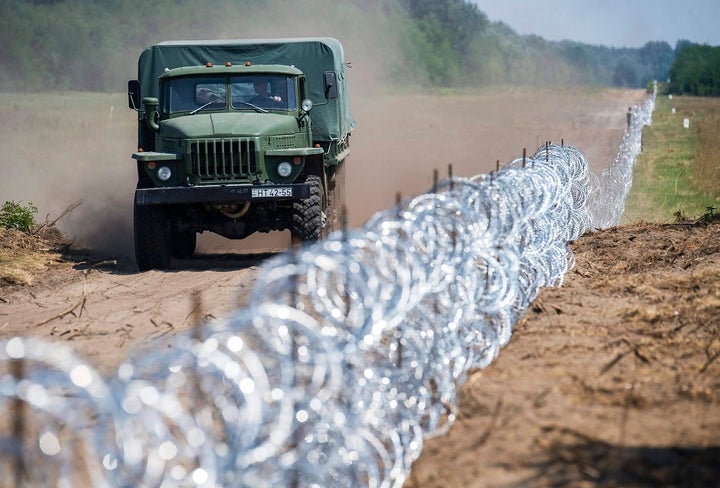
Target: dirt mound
x,y
25,256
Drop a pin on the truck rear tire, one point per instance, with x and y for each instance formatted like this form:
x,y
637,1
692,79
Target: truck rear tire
x,y
152,237
308,215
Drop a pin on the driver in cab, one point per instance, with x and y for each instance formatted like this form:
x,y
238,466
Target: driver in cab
x,y
262,97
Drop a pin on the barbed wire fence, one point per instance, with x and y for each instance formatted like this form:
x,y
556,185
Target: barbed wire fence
x,y
349,357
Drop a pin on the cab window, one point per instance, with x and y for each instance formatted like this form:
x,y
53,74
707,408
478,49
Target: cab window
x,y
264,91
188,94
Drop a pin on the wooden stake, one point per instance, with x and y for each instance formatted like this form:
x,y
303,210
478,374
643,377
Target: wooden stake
x,y
18,429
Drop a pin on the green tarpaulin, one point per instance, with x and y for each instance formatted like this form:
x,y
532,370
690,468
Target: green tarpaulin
x,y
331,118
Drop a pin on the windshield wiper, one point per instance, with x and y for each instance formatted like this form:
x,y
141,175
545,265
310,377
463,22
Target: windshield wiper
x,y
257,109
203,106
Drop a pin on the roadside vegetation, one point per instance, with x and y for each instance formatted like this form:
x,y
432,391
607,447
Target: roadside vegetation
x,y
16,215
27,248
677,176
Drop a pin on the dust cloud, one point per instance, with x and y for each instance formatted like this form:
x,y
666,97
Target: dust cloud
x,y
70,148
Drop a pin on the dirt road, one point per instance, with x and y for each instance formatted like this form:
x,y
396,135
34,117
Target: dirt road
x,y
609,381
402,138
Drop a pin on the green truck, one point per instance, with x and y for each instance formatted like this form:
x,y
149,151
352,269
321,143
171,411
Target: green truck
x,y
237,137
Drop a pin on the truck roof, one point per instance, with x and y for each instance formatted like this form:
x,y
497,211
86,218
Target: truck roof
x,y
240,69
332,119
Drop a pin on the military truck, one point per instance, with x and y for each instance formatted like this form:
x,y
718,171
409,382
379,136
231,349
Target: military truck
x,y
237,137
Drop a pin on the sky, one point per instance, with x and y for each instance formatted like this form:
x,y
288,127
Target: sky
x,y
613,23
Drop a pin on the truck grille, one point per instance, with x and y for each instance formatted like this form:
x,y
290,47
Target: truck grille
x,y
222,159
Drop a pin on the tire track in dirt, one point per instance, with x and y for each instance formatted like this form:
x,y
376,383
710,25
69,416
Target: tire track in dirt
x,y
107,312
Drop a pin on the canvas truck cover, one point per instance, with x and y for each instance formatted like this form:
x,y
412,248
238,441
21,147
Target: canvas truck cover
x,y
331,118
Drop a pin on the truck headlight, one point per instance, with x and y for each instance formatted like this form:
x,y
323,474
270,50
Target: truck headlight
x,y
284,169
164,173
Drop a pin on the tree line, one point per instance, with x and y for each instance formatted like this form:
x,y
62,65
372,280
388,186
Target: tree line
x,y
94,44
479,51
696,71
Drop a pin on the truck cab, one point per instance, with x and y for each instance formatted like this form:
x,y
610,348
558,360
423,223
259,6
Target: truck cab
x,y
237,146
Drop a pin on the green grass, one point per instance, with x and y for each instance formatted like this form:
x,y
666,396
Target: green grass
x,y
14,215
678,171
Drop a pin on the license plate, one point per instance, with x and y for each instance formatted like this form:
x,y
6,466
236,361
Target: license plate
x,y
284,191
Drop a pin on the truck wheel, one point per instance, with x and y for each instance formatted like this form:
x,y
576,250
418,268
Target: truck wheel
x,y
308,217
152,237
183,244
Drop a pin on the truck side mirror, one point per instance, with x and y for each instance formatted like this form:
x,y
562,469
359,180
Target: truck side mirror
x,y
151,113
330,84
134,94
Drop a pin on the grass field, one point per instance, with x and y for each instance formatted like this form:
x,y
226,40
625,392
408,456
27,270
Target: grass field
x,y
679,168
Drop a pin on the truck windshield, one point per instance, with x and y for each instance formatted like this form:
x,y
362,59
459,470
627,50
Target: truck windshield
x,y
247,92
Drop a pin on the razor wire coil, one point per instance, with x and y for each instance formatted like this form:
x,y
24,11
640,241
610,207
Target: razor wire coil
x,y
349,357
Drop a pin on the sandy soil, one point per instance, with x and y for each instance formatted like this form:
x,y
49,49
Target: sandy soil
x,y
610,380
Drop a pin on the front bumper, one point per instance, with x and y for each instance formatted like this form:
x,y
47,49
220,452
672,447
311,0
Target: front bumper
x,y
221,194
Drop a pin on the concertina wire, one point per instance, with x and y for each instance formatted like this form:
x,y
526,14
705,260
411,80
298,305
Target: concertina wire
x,y
349,356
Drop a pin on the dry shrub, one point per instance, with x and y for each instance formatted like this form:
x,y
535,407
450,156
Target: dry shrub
x,y
25,256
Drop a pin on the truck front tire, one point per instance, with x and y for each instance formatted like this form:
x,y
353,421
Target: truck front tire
x,y
308,215
152,237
